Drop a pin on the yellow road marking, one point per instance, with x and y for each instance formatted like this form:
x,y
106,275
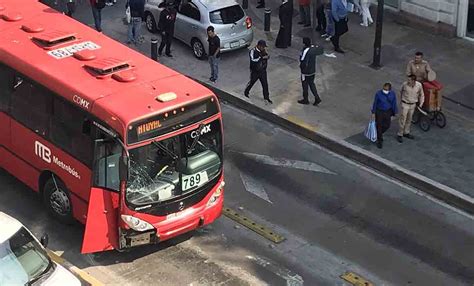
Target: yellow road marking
x,y
79,272
356,279
258,228
301,123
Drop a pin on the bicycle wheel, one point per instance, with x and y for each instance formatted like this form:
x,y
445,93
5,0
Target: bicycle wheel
x,y
416,117
425,123
432,115
440,119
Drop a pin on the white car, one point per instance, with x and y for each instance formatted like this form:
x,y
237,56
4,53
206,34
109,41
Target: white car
x,y
24,261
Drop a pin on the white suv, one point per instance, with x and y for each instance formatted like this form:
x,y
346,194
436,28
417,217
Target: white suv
x,y
24,261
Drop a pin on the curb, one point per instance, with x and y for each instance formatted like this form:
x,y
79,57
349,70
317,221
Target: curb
x,y
84,277
355,153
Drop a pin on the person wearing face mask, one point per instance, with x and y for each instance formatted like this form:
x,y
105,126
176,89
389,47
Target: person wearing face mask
x,y
383,108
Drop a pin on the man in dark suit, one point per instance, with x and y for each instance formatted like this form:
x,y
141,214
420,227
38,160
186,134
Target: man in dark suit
x,y
166,26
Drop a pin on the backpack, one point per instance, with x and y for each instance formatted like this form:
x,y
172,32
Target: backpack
x,y
99,4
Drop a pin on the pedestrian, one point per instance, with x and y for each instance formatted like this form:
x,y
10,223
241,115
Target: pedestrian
x,y
357,8
366,16
214,52
70,7
305,14
411,95
137,11
166,26
329,32
258,69
97,6
321,17
308,70
261,4
419,67
339,13
285,13
383,108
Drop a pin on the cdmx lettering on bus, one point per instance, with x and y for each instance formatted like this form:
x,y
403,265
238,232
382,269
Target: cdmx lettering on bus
x,y
81,101
201,131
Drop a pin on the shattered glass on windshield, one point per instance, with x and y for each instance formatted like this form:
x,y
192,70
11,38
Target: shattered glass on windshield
x,y
167,169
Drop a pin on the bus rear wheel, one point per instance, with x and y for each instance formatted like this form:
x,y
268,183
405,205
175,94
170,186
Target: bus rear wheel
x,y
57,200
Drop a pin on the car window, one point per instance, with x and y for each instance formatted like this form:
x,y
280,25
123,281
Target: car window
x,y
227,15
190,10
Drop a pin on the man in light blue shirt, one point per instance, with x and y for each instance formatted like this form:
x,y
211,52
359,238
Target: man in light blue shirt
x,y
339,13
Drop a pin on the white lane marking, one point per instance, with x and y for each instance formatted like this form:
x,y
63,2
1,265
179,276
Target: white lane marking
x,y
294,164
359,165
253,186
292,279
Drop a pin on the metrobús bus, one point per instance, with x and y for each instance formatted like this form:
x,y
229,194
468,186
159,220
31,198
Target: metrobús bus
x,y
108,137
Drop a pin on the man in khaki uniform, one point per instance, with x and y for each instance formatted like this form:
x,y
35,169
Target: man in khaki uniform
x,y
419,67
411,94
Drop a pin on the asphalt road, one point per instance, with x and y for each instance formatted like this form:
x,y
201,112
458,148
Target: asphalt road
x,y
336,216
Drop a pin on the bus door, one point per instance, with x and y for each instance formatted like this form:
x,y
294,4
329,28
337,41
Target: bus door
x,y
101,232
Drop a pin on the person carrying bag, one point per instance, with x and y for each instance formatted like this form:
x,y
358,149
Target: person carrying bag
x,y
383,108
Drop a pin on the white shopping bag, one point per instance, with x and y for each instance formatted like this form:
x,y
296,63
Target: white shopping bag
x,y
371,131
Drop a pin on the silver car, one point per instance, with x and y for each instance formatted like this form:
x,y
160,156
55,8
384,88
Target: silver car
x,y
229,20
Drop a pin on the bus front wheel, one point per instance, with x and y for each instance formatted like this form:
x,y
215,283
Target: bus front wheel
x,y
57,200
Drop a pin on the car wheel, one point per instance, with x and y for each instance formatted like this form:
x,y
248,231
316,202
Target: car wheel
x,y
150,22
198,49
57,200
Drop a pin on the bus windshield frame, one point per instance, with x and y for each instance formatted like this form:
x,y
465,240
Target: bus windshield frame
x,y
164,171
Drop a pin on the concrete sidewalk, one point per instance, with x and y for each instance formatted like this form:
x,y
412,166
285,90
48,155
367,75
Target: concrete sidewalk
x,y
347,86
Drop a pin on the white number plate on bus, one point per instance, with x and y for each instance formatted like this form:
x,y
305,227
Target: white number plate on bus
x,y
70,50
195,180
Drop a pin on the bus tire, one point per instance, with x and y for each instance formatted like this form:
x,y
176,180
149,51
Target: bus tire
x,y
57,200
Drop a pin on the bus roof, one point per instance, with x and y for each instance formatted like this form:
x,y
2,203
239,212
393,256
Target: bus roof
x,y
108,79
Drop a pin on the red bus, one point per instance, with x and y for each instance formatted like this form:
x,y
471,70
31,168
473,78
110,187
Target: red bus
x,y
106,136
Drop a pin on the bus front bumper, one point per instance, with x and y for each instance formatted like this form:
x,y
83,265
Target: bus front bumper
x,y
175,225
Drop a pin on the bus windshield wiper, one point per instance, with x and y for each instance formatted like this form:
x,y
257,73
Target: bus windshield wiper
x,y
166,150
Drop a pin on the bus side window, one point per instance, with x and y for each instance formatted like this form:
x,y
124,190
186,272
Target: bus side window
x,y
6,87
106,162
31,105
69,130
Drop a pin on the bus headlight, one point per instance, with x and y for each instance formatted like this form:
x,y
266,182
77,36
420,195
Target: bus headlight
x,y
217,194
136,223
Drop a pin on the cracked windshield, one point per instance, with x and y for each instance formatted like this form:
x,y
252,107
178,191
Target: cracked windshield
x,y
169,168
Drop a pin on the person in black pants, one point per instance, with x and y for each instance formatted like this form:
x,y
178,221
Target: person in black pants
x,y
166,26
308,70
258,70
383,108
321,19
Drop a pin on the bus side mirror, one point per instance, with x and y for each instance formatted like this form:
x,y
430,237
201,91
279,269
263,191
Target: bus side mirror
x,y
44,240
123,168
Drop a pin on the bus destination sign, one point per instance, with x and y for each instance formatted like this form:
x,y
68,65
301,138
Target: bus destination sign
x,y
172,120
148,127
